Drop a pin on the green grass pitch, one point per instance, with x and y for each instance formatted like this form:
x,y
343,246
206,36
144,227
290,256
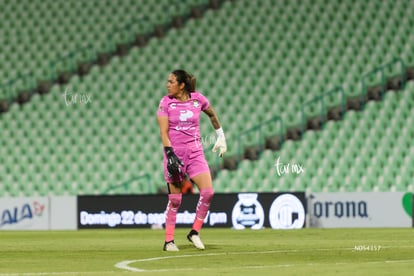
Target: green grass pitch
x,y
228,252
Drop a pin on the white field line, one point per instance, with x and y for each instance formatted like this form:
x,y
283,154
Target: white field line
x,y
125,265
58,273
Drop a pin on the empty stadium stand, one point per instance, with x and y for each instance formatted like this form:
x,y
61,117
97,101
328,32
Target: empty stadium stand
x,y
96,133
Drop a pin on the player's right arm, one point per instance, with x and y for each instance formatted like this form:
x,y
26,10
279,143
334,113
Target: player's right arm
x,y
174,163
163,124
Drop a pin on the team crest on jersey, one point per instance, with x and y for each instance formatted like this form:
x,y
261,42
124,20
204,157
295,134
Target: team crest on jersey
x,y
195,103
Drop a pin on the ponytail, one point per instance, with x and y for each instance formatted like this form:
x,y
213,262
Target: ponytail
x,y
193,83
188,79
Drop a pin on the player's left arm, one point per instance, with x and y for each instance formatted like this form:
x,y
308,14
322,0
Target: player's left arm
x,y
221,139
213,117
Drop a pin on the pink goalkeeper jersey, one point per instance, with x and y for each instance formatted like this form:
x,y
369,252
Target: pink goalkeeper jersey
x,y
183,118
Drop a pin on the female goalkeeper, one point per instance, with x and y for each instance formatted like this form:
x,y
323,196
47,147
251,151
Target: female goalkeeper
x,y
178,118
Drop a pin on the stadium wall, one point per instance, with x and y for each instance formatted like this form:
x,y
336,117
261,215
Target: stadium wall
x,y
236,210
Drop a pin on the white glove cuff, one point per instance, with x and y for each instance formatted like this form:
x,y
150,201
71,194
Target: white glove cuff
x,y
220,132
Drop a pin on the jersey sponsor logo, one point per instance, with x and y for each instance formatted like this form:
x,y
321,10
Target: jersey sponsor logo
x,y
184,128
185,114
178,105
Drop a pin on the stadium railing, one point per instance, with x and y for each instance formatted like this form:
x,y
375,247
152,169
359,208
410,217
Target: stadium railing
x,y
258,132
383,81
124,35
255,149
320,99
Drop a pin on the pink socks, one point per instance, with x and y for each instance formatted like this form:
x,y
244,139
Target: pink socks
x,y
203,206
174,202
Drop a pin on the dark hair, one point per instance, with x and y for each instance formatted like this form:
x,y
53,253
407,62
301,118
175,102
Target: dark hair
x,y
184,77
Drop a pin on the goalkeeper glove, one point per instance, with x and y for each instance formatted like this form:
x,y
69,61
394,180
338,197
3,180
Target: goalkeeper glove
x,y
220,144
174,163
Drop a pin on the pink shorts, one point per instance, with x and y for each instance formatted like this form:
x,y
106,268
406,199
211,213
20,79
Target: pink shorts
x,y
194,163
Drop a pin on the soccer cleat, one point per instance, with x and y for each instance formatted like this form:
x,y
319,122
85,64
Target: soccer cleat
x,y
170,246
194,238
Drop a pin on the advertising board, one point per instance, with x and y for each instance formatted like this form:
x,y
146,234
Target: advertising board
x,y
38,213
24,213
359,209
239,211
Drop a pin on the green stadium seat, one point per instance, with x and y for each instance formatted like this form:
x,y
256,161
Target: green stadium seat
x,y
268,70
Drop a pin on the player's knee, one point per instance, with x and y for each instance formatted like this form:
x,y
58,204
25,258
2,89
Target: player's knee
x,y
175,200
